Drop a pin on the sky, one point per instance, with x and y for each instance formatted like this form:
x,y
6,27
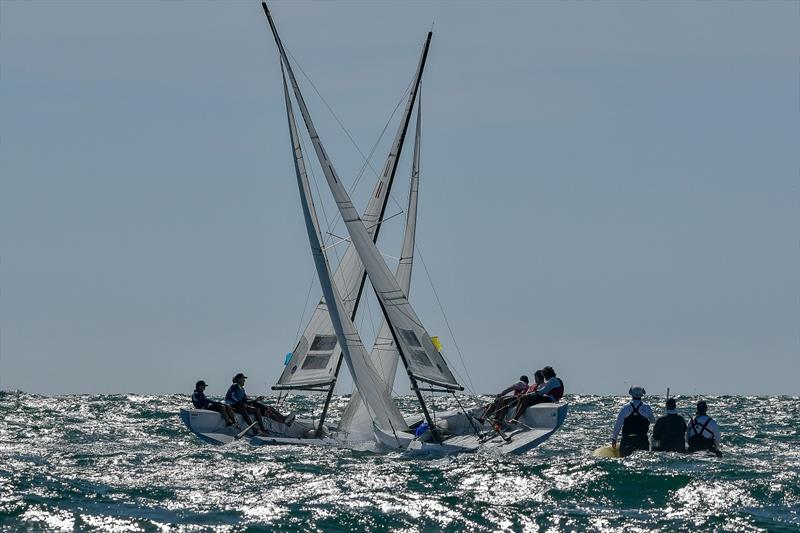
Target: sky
x,y
611,188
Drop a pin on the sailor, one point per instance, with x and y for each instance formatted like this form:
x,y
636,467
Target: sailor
x,y
550,392
634,420
538,382
501,401
670,431
236,398
703,432
244,404
200,401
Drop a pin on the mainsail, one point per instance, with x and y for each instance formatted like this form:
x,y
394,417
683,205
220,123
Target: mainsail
x,y
316,358
421,358
384,353
382,410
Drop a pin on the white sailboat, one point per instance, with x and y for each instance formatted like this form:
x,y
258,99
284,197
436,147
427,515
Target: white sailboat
x,y
426,368
371,415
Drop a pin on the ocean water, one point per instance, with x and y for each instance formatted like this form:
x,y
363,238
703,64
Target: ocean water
x,y
126,463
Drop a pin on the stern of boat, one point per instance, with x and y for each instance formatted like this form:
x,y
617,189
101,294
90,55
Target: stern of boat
x,y
546,415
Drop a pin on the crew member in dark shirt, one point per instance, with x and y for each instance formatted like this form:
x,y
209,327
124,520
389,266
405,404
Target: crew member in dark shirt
x,y
669,433
200,401
243,404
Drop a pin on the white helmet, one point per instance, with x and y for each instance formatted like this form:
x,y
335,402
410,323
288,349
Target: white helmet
x,y
637,392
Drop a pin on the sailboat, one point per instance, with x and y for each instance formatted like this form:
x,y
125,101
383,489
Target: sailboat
x,y
331,336
426,368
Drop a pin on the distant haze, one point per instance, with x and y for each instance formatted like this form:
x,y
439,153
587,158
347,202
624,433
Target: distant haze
x,y
609,188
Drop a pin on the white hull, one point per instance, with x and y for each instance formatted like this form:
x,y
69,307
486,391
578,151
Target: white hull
x,y
329,441
539,423
210,427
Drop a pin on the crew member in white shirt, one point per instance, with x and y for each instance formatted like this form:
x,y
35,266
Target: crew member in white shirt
x,y
634,421
703,432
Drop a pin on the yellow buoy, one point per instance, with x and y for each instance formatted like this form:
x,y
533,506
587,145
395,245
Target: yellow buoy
x,y
606,451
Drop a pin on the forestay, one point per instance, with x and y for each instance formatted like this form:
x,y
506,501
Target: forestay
x,y
316,357
383,412
384,353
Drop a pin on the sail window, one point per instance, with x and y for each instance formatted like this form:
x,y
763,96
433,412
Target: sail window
x,y
416,351
421,357
410,337
323,343
316,362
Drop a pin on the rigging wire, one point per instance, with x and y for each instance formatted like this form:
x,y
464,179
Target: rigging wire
x,y
319,195
335,116
305,306
367,159
446,321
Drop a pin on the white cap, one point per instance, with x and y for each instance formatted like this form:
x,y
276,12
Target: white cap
x,y
637,392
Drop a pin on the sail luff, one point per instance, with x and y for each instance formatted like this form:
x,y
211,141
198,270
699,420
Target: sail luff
x,y
384,413
403,275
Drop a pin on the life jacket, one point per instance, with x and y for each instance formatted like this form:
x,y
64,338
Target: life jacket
x,y
698,441
635,424
533,387
231,395
199,400
556,393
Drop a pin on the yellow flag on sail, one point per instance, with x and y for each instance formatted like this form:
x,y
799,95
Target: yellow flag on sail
x,y
436,343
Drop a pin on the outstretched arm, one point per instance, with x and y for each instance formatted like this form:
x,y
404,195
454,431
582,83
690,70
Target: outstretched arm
x,y
508,389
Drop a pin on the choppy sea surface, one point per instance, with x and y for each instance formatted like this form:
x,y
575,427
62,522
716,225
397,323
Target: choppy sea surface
x,y
126,463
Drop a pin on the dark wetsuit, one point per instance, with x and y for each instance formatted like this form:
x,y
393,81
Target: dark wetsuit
x,y
239,401
702,437
670,432
200,401
634,433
